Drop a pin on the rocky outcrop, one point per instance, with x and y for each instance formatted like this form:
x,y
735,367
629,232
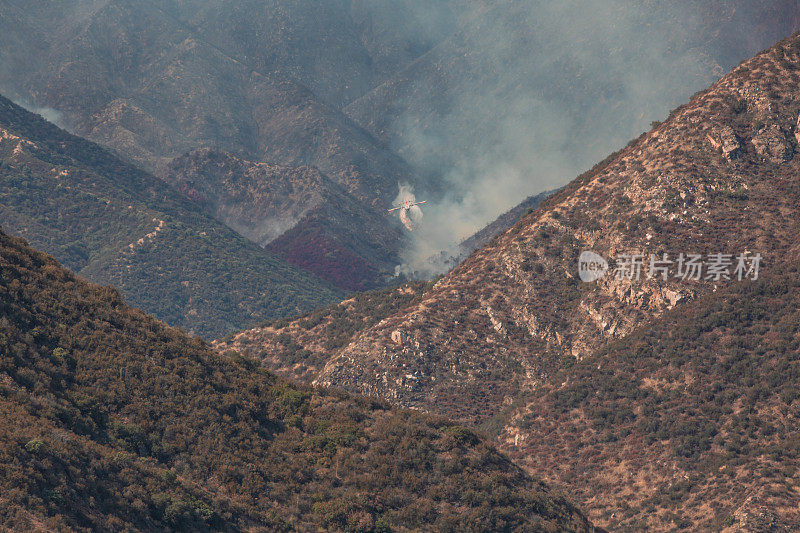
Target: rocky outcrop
x,y
797,130
399,337
725,139
772,143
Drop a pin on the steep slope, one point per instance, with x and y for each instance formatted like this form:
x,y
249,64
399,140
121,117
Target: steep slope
x,y
688,423
116,224
300,347
296,212
112,421
514,311
526,94
499,225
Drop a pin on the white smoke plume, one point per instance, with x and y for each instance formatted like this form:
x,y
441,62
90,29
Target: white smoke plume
x,y
48,113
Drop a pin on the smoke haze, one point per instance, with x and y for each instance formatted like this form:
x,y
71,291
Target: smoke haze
x,y
48,113
527,95
494,101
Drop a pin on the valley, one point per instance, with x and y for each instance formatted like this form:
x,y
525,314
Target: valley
x,y
399,266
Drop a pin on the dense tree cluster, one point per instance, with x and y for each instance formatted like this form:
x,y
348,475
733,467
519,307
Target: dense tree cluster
x,y
113,421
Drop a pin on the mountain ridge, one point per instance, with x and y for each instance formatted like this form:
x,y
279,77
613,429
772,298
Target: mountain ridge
x,y
513,323
296,212
117,224
114,421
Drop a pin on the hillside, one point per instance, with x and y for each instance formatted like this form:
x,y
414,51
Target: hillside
x,y
296,212
299,347
513,341
116,224
690,422
112,421
501,224
516,307
155,80
339,50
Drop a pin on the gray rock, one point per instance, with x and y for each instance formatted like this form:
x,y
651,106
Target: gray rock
x,y
771,142
724,138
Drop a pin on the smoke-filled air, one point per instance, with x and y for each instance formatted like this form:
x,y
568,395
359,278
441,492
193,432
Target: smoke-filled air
x,y
536,93
487,102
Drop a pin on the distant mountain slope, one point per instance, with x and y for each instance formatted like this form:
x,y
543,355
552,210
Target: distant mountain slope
x,y
116,224
297,212
339,49
112,421
139,78
550,88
